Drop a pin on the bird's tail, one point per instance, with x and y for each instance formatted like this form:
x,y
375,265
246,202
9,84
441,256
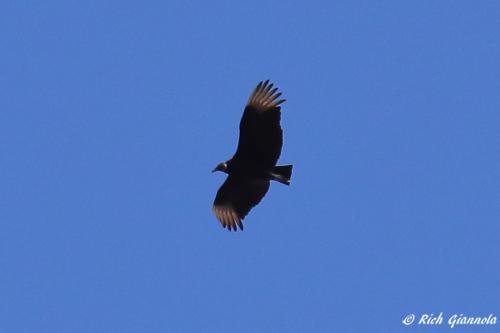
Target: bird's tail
x,y
282,174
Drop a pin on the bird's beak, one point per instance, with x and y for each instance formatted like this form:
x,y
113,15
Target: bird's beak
x,y
215,169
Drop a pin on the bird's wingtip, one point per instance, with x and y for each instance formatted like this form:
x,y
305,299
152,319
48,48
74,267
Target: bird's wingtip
x,y
264,96
228,217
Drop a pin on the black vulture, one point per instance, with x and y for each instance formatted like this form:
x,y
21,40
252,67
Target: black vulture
x,y
253,165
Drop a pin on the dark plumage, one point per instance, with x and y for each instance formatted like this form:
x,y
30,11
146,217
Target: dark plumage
x,y
253,165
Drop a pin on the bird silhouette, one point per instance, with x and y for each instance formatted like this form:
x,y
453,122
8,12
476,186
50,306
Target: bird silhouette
x,y
253,165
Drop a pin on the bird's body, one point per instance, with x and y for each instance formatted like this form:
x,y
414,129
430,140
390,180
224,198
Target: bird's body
x,y
253,165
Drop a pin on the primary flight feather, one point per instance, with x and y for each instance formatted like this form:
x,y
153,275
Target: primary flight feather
x,y
253,165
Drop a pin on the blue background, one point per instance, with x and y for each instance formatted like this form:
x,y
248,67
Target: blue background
x,y
113,113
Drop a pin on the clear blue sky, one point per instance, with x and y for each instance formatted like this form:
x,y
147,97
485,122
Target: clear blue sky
x,y
113,114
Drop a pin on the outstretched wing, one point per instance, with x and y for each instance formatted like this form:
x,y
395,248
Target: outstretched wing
x,y
261,137
236,197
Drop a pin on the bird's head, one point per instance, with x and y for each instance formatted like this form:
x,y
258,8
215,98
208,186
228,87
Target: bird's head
x,y
221,167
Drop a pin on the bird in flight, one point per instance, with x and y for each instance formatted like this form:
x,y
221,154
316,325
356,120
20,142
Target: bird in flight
x,y
253,166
